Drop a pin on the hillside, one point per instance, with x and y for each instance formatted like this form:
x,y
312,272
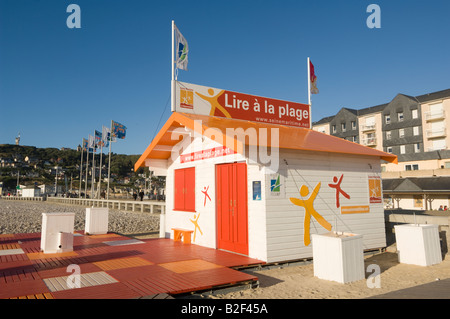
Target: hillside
x,y
37,165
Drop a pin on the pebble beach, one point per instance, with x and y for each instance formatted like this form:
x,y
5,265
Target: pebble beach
x,y
26,217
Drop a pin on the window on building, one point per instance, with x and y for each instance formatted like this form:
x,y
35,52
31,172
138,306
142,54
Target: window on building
x,y
353,125
355,139
387,119
184,189
400,116
439,144
401,132
333,128
388,135
343,127
417,148
412,167
414,114
436,111
416,130
389,149
402,149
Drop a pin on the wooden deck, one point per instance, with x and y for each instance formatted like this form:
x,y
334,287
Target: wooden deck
x,y
112,266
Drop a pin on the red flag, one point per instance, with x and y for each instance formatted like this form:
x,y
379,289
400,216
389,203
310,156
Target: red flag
x,y
313,79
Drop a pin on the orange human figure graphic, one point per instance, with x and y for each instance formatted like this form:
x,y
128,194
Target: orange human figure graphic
x,y
308,205
214,102
195,222
338,189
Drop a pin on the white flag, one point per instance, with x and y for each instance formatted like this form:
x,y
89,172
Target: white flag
x,y
106,133
91,143
182,50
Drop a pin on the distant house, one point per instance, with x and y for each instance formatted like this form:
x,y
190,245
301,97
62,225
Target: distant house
x,y
31,160
50,189
423,193
31,192
5,162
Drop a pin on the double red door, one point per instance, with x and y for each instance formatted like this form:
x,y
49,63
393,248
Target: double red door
x,y
232,215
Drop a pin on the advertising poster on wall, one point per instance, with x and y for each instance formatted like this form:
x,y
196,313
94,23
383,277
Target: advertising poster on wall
x,y
375,195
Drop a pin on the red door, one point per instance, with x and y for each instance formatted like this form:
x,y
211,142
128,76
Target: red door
x,y
184,189
232,216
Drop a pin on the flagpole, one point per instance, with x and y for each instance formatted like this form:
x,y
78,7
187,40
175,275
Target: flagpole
x,y
93,170
172,66
100,168
309,83
87,165
81,169
109,161
309,93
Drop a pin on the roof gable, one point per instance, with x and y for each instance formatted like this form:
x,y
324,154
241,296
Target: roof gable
x,y
288,137
408,185
400,102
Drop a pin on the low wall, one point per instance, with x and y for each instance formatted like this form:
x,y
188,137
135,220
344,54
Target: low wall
x,y
440,218
151,207
40,199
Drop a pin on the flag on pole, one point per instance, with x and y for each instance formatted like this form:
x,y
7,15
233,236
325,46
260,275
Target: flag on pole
x,y
91,144
313,79
182,50
98,139
118,130
85,144
106,132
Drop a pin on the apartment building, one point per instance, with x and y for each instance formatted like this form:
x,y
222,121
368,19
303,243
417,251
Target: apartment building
x,y
415,128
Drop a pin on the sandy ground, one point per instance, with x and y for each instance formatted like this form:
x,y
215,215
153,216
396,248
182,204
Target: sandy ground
x,y
298,282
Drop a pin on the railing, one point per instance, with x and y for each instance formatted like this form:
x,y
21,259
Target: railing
x,y
371,141
23,198
431,149
436,133
135,206
370,127
141,206
434,115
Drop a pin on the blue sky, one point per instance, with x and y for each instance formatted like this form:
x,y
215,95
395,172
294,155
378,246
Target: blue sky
x,y
58,85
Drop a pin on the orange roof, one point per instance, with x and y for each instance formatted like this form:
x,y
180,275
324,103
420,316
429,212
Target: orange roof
x,y
289,137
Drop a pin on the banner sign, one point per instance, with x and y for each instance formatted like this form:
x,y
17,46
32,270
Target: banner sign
x,y
191,98
205,154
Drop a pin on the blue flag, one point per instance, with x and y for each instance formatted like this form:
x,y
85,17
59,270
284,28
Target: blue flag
x,y
118,130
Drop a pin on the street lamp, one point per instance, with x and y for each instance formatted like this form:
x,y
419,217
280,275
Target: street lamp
x,y
56,180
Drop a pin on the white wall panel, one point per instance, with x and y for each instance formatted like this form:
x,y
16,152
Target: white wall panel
x,y
305,168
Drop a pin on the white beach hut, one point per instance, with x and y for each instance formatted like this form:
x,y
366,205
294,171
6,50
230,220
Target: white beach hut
x,y
261,189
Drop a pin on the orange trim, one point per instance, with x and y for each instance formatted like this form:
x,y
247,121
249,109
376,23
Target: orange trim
x,y
295,138
362,209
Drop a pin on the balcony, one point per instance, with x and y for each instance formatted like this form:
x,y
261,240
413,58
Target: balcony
x,y
366,128
435,115
436,133
370,141
431,149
